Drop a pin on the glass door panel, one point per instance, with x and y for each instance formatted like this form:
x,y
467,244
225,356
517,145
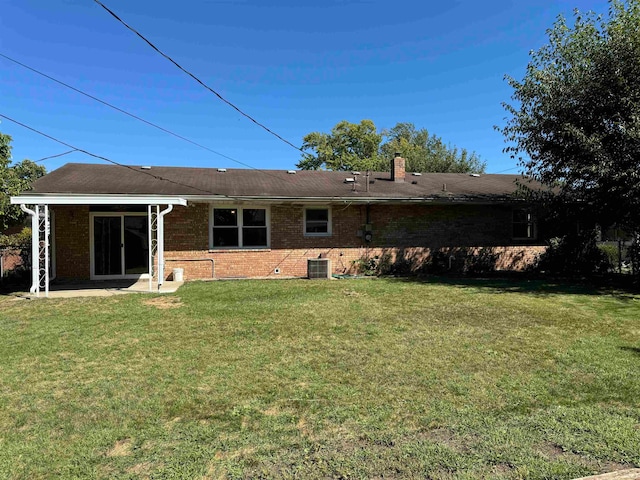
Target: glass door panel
x,y
107,238
136,245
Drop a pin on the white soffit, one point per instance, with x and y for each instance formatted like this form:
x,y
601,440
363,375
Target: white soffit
x,y
97,200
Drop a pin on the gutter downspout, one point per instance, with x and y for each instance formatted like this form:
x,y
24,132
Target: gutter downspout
x,y
35,267
161,244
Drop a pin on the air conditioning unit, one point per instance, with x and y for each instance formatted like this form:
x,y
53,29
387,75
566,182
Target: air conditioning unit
x,y
318,268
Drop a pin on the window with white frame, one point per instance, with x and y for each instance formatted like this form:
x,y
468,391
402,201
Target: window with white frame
x,y
317,221
239,227
524,224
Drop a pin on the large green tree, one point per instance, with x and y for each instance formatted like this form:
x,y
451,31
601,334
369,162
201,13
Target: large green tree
x,y
426,152
575,116
353,146
349,146
14,179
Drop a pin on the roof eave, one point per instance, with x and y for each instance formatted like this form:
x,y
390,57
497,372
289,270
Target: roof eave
x,y
96,199
461,199
146,199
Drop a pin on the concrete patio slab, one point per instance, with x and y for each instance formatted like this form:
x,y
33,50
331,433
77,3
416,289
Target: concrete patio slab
x,y
102,288
630,474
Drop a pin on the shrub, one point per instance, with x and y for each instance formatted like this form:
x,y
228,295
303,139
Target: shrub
x,y
614,256
573,254
20,240
368,266
484,261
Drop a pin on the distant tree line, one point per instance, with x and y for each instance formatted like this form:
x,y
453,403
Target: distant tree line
x,y
360,146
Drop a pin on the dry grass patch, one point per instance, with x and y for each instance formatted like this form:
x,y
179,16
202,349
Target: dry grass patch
x,y
165,302
353,293
122,448
142,470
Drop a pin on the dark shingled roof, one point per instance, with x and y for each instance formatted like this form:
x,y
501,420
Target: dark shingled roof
x,y
88,179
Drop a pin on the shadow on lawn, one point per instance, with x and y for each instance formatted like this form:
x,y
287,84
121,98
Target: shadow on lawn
x,y
22,285
534,286
635,350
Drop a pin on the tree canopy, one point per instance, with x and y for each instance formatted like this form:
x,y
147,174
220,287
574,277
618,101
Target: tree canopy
x,y
14,179
349,146
360,146
575,117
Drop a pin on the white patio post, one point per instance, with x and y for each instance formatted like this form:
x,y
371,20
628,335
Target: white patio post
x,y
150,241
44,249
161,244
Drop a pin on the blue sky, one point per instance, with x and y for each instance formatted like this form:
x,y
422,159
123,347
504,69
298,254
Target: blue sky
x,y
296,66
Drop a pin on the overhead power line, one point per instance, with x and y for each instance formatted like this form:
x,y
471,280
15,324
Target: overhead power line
x,y
106,159
148,42
136,117
55,156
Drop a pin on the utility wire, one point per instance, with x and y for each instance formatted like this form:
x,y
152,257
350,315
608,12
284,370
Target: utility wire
x,y
148,42
157,177
154,125
100,157
55,156
136,117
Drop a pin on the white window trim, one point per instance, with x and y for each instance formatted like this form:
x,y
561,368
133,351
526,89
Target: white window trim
x,y
240,226
533,222
329,231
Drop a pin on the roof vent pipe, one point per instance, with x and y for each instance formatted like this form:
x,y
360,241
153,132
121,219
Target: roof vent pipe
x,y
444,187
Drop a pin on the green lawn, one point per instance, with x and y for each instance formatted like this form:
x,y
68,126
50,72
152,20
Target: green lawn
x,y
374,378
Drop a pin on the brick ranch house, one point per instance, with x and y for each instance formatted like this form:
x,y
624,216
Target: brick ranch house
x,y
115,222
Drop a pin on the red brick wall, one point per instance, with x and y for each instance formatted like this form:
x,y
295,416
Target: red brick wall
x,y
399,231
408,231
71,230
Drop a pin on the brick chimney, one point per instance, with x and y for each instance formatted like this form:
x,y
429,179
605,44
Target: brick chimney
x,y
397,168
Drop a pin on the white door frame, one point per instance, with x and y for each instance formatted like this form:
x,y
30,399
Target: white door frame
x,y
122,276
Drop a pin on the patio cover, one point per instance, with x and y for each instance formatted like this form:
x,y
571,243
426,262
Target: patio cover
x,y
40,227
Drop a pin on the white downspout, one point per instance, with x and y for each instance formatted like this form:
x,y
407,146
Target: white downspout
x,y
161,244
35,257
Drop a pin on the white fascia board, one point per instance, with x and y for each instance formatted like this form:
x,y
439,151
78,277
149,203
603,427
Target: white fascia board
x,y
278,200
351,200
97,200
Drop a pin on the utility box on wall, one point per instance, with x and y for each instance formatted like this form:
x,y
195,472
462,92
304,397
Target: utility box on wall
x,y
319,268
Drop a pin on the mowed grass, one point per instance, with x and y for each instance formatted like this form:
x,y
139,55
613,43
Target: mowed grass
x,y
379,378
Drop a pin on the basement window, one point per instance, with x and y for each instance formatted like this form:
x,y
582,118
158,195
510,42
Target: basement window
x,y
524,224
317,222
238,227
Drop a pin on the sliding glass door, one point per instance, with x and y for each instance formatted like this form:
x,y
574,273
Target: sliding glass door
x,y
120,246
